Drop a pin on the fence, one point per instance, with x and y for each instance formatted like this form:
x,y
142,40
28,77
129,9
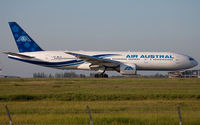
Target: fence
x,y
89,114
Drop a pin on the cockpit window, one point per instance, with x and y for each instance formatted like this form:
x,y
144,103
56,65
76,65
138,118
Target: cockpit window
x,y
191,59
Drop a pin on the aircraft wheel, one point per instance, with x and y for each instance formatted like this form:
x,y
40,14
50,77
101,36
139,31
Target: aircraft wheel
x,y
101,75
105,76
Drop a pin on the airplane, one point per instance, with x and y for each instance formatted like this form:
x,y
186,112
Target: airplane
x,y
126,63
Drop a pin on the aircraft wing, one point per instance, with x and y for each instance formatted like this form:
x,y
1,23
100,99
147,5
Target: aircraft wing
x,y
95,60
19,55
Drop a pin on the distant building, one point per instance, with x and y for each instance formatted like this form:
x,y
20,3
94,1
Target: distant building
x,y
185,74
3,76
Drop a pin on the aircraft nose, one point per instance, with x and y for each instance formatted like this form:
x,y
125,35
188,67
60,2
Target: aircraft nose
x,y
195,63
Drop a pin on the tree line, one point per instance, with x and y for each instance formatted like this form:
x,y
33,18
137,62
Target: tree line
x,y
58,75
91,75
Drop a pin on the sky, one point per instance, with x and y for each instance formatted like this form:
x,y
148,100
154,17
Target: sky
x,y
103,25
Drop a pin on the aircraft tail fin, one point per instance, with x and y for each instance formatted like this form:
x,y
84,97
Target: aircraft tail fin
x,y
24,42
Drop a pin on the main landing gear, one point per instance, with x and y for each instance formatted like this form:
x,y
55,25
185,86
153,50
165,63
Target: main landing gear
x,y
101,75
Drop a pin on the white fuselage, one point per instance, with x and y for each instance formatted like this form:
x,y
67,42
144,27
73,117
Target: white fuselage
x,y
166,61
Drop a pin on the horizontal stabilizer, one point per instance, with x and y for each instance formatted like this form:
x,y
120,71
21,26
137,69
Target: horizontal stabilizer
x,y
19,55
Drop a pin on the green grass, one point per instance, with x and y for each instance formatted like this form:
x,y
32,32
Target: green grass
x,y
112,101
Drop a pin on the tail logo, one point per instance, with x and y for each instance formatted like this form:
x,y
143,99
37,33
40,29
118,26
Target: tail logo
x,y
23,39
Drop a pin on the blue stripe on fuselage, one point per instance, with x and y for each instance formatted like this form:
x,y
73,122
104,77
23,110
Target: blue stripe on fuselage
x,y
60,64
51,64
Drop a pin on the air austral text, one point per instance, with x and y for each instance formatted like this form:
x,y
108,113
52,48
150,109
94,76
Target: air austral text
x,y
150,56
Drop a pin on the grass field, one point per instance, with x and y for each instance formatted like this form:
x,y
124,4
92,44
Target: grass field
x,y
120,101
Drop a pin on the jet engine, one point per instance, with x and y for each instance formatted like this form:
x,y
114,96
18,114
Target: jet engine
x,y
128,69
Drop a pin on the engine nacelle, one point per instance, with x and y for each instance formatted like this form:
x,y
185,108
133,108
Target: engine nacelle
x,y
128,69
